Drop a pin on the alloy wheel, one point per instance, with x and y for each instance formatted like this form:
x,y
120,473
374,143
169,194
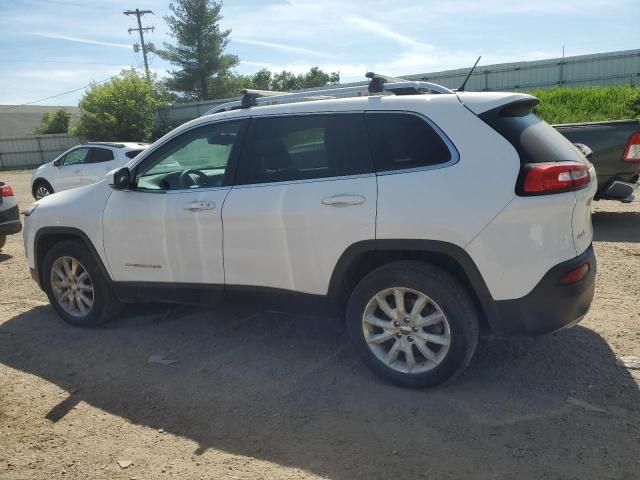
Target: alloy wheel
x,y
406,330
72,286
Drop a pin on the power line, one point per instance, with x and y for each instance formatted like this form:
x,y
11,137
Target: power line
x,y
63,93
139,13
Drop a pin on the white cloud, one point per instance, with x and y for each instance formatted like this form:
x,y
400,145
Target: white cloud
x,y
56,36
280,46
385,32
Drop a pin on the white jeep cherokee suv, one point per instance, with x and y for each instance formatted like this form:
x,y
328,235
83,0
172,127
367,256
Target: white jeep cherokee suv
x,y
82,165
429,218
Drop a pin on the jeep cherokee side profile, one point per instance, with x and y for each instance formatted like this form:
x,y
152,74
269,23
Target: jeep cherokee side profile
x,y
429,218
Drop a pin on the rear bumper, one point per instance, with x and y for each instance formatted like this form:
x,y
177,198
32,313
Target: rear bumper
x,y
9,228
550,305
10,221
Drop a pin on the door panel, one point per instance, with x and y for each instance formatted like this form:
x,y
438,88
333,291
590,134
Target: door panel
x,y
163,237
287,236
69,173
100,162
168,228
306,192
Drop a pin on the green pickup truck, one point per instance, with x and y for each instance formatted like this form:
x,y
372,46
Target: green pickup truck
x,y
615,154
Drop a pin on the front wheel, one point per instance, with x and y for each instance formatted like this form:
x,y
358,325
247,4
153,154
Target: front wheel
x,y
76,287
413,323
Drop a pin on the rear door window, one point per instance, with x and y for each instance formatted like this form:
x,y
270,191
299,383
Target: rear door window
x,y
304,147
402,141
132,153
99,155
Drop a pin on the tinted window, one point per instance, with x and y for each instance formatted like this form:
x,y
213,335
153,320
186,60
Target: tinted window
x,y
535,140
195,159
75,157
304,147
400,140
132,153
100,155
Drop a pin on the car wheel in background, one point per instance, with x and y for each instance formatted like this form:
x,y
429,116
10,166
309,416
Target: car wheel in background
x,y
41,189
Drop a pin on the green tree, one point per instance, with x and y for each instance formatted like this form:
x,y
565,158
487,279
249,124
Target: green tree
x,y
54,122
122,109
199,50
286,81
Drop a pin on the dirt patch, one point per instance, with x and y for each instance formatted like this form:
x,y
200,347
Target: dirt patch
x,y
255,393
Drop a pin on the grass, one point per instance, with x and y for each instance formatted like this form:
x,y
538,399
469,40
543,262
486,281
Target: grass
x,y
588,104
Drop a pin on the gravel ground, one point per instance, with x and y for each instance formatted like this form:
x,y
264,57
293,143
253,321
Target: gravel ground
x,y
259,394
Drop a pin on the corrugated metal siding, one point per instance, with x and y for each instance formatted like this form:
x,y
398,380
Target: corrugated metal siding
x,y
28,152
601,69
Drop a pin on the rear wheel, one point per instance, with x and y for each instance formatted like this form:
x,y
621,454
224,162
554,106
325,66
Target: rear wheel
x,y
413,323
76,287
41,189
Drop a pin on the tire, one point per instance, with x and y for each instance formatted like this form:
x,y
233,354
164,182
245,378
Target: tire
x,y
442,303
39,187
3,241
104,305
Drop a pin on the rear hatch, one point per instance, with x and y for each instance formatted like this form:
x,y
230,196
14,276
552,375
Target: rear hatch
x,y
540,147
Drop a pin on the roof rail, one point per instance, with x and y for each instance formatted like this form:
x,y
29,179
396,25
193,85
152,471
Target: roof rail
x,y
105,144
378,84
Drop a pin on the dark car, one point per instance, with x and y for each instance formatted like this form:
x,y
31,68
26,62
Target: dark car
x,y
9,213
616,154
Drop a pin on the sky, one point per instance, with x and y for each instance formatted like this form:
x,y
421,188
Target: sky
x,y
48,47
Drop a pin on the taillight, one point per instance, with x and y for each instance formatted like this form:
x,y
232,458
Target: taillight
x,y
556,177
632,152
575,275
6,191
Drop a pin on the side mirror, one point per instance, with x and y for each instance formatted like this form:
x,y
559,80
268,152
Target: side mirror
x,y
56,163
119,179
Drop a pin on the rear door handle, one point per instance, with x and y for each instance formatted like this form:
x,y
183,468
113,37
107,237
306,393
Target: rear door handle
x,y
343,200
197,206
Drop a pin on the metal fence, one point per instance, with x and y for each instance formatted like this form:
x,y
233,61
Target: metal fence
x,y
31,151
600,69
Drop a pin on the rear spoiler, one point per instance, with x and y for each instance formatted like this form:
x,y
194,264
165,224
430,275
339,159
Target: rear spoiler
x,y
481,102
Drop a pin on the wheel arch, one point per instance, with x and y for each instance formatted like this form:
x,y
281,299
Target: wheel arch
x,y
47,237
363,257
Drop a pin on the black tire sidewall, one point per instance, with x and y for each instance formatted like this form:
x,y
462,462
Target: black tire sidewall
x,y
40,183
449,294
103,299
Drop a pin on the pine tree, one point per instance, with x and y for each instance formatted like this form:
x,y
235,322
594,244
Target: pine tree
x,y
199,50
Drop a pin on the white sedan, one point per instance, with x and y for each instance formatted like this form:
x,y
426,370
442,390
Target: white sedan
x,y
82,165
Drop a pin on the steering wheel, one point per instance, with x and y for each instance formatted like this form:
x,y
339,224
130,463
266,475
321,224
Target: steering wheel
x,y
186,181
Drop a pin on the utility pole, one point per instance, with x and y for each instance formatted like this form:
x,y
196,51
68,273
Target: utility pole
x,y
139,13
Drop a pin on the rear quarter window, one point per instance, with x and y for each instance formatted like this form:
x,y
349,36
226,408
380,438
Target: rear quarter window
x,y
402,141
132,153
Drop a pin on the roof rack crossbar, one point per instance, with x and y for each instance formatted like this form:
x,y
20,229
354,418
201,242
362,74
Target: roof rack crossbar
x,y
377,84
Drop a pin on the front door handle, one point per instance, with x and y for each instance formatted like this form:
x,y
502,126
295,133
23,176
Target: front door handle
x,y
197,206
76,171
343,200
